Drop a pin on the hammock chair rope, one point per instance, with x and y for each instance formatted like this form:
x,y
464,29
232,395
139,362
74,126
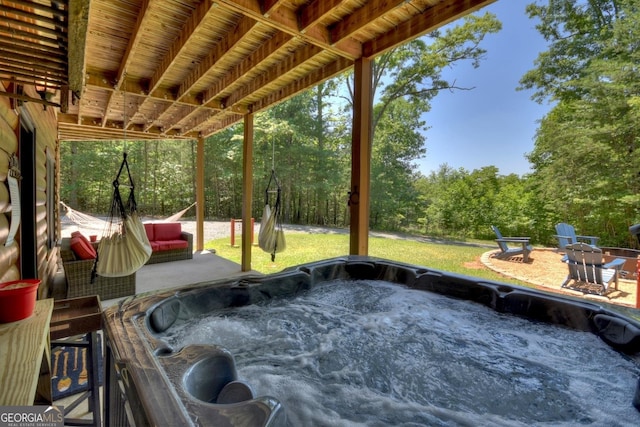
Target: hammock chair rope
x,y
124,246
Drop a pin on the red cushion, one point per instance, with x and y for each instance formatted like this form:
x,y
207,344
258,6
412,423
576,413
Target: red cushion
x,y
167,231
81,246
167,245
149,229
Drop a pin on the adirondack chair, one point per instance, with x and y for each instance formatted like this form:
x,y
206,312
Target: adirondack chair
x,y
588,272
512,246
567,236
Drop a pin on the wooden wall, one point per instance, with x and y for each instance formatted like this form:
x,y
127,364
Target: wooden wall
x,y
44,124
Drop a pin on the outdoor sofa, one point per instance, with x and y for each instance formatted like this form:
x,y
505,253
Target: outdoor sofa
x,y
168,242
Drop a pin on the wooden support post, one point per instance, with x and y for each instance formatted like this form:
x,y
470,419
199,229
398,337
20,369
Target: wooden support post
x,y
233,232
247,190
200,195
638,283
361,158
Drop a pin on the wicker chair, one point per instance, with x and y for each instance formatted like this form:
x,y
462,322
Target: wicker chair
x,y
78,274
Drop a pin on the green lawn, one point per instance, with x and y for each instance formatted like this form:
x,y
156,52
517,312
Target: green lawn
x,y
302,248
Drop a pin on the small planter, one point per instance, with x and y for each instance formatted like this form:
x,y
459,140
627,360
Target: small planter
x,y
17,299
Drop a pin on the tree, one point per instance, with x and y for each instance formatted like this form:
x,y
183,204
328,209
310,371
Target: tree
x,y
585,156
405,80
393,195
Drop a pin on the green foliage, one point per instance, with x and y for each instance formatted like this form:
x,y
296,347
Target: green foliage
x,y
586,163
463,205
162,172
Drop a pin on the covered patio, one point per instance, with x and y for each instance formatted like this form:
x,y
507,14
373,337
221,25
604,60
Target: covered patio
x,y
161,69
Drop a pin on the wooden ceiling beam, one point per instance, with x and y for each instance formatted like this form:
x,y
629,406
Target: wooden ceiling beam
x,y
225,47
221,50
196,119
68,123
285,19
221,122
144,19
315,77
326,72
191,27
273,45
313,12
40,72
134,40
195,127
68,132
374,9
137,89
279,71
206,120
180,116
431,19
268,6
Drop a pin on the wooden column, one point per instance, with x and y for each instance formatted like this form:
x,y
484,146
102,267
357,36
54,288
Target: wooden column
x,y
361,158
247,191
200,195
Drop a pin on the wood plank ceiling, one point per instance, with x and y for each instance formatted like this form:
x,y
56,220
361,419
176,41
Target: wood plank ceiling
x,y
157,69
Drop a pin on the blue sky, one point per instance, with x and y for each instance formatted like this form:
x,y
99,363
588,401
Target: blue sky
x,y
493,124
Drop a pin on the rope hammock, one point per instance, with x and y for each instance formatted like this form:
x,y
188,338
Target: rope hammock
x,y
271,236
175,217
124,246
89,222
83,220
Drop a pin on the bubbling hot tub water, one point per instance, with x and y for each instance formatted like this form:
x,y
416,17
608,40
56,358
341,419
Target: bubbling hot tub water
x,y
372,353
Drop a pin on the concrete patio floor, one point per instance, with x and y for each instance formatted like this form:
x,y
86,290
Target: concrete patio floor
x,y
205,267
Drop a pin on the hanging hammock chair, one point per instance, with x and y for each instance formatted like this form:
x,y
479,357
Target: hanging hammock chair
x,y
124,246
271,235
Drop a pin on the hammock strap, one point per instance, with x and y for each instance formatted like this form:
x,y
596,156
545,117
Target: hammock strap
x,y
117,206
273,178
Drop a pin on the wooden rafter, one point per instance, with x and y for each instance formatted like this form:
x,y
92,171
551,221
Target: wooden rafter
x,y
121,76
429,20
190,29
359,19
285,19
189,68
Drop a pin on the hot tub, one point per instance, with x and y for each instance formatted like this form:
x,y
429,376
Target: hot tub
x,y
149,380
